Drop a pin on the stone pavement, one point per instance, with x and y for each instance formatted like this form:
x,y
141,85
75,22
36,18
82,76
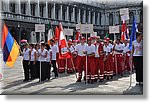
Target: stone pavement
x,y
65,84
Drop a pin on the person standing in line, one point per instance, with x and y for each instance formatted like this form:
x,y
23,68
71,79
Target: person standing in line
x,y
55,51
42,54
90,52
26,63
32,59
37,71
81,63
48,61
126,55
118,50
137,56
106,59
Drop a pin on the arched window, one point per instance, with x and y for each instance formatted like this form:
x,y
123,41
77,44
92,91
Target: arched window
x,y
131,17
141,16
111,19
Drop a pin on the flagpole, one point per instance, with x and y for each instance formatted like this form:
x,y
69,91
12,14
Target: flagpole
x,y
86,63
40,56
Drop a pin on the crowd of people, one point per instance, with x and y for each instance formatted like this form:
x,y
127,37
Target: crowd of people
x,y
96,60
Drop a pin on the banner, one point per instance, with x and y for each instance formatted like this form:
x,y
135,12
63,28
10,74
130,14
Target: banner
x,y
68,32
86,28
124,13
39,27
93,34
114,29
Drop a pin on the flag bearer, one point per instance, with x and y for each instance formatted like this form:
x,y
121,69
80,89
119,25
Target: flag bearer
x,y
75,54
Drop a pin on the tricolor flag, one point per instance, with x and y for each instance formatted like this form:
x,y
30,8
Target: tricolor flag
x,y
10,47
125,31
56,33
133,34
78,35
63,51
50,33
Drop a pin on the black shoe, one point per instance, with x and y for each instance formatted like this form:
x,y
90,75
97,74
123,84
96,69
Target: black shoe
x,y
25,80
111,77
101,80
79,80
107,77
92,81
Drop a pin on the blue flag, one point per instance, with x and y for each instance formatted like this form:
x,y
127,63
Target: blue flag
x,y
133,34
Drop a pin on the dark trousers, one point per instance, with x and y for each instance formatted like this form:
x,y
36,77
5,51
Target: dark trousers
x,y
138,63
55,68
26,69
33,70
43,71
48,68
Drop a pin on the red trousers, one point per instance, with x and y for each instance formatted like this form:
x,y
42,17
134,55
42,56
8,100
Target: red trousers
x,y
119,63
90,67
61,65
97,67
107,66
69,65
127,63
75,63
111,65
81,63
101,74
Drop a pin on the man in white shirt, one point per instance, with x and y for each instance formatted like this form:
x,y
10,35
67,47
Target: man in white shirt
x,y
55,51
118,57
106,60
80,58
90,70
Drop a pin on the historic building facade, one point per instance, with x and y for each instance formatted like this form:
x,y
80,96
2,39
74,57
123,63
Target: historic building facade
x,y
21,16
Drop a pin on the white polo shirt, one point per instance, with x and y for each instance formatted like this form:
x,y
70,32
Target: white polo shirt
x,y
138,48
80,49
55,50
96,50
33,55
90,49
42,54
126,49
119,47
26,54
106,49
48,55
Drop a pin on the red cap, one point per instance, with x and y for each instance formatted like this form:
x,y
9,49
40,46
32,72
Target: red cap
x,y
83,38
107,39
90,38
74,41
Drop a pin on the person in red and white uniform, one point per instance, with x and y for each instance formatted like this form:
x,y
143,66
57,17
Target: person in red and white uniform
x,y
118,51
81,63
126,55
70,63
75,54
90,52
111,46
97,58
106,59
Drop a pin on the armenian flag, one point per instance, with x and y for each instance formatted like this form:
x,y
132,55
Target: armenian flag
x,y
10,47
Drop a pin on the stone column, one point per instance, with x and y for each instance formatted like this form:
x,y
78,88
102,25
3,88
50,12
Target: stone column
x,y
46,9
53,11
93,18
79,16
60,12
89,17
67,17
84,17
73,15
98,18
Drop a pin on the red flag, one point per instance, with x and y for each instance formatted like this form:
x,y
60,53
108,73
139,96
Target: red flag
x,y
56,32
125,32
63,50
78,35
